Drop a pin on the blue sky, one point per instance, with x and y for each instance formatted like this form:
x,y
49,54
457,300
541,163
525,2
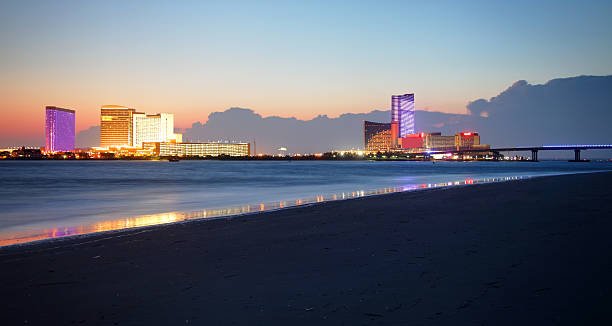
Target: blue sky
x,y
288,58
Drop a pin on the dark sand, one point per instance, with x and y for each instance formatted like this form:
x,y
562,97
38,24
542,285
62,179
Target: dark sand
x,y
535,252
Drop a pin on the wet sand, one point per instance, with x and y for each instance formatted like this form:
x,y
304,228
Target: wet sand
x,y
532,251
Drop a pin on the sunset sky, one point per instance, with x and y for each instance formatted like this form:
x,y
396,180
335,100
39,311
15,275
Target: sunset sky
x,y
285,58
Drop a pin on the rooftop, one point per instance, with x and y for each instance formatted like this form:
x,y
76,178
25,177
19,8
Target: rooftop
x,y
59,109
114,107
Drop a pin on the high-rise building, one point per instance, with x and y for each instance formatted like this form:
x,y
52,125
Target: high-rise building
x,y
59,129
152,128
377,136
121,126
402,111
116,126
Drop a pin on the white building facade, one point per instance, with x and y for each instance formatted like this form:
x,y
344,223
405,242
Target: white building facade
x,y
202,149
152,128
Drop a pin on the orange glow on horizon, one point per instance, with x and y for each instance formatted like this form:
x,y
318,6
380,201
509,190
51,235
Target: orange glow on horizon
x,y
24,123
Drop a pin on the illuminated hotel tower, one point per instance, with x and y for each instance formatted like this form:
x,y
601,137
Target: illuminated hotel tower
x,y
116,126
402,112
59,129
377,136
152,128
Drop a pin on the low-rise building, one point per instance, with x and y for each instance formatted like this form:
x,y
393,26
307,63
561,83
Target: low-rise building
x,y
412,141
434,141
198,149
467,140
24,152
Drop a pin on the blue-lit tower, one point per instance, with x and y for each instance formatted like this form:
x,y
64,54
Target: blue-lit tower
x,y
402,112
59,129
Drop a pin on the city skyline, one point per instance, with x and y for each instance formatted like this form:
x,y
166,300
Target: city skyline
x,y
521,103
305,162
331,61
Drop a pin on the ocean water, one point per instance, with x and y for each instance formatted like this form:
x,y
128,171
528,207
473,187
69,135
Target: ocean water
x,y
50,199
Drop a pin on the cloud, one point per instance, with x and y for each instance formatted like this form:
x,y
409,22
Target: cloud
x,y
89,137
477,107
568,110
298,136
564,110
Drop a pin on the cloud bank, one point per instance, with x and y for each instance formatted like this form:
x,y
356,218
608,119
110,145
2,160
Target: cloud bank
x,y
567,110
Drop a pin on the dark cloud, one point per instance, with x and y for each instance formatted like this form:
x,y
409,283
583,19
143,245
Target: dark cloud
x,y
477,107
567,110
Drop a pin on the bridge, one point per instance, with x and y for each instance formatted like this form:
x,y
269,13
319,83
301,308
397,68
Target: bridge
x,y
534,150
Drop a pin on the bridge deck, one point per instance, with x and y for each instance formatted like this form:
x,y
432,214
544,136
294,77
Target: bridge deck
x,y
524,149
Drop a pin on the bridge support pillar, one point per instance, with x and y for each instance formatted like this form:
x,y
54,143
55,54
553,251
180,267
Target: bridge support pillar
x,y
577,155
534,155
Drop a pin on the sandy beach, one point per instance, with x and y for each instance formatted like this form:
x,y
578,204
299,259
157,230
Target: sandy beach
x,y
532,251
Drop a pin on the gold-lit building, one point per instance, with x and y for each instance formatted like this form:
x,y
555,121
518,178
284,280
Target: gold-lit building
x,y
199,149
123,127
116,126
378,136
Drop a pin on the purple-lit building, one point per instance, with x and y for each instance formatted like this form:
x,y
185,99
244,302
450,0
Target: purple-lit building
x,y
59,129
402,112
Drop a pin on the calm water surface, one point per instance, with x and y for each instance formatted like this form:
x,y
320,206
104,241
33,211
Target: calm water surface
x,y
48,199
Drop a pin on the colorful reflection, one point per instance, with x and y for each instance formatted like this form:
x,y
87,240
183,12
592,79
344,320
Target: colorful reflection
x,y
165,218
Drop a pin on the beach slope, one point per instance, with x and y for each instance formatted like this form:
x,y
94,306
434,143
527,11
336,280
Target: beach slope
x,y
534,251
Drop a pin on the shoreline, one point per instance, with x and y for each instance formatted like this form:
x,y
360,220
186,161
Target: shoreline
x,y
311,202
598,159
368,194
506,253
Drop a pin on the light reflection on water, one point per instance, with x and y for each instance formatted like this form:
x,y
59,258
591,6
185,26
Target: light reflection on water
x,y
170,217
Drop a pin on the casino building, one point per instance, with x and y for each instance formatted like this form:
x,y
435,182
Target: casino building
x,y
116,123
59,129
152,128
402,112
400,135
377,137
435,141
127,132
124,127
